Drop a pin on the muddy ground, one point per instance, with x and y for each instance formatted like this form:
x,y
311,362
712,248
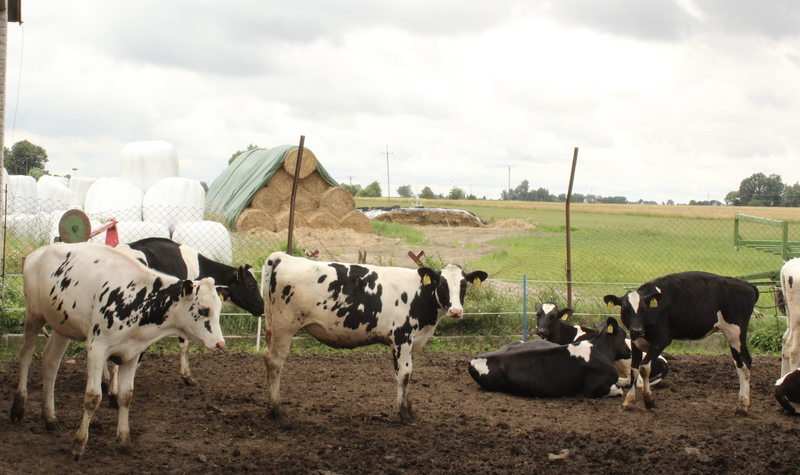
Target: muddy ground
x,y
342,420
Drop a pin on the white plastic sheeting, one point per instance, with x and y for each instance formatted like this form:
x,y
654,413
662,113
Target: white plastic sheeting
x,y
54,194
129,231
146,163
79,186
174,200
22,194
34,227
209,238
113,198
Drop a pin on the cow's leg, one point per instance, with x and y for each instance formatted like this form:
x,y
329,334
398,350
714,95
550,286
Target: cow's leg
x,y
51,361
95,359
647,392
785,342
113,384
737,339
402,371
636,360
623,368
32,327
186,372
127,372
277,348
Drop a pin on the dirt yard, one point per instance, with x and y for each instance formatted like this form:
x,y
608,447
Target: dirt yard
x,y
342,420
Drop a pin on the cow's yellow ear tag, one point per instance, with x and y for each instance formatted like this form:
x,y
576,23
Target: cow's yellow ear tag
x,y
610,329
221,298
565,317
653,303
610,305
476,282
426,280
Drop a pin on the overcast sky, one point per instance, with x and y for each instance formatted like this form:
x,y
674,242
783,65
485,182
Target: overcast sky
x,y
665,100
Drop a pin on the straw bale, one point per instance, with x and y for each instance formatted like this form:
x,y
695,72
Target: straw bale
x,y
254,218
281,182
282,221
269,200
305,202
338,201
315,184
323,220
308,164
357,221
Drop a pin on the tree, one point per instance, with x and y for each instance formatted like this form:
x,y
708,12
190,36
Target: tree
x,y
732,199
791,196
239,152
405,191
36,173
353,189
764,189
427,193
456,193
24,156
373,190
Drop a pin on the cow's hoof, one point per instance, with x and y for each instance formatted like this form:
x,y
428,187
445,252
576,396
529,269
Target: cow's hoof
x,y
113,401
190,381
126,448
52,425
17,412
277,414
649,405
740,411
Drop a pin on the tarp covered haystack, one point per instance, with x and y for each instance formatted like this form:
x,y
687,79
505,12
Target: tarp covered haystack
x,y
262,179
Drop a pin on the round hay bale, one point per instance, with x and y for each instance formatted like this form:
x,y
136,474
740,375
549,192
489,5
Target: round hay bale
x,y
308,164
315,184
269,200
323,220
338,201
281,182
282,221
254,218
358,222
304,202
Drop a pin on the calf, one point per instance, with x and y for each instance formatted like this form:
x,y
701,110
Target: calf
x,y
348,305
92,293
183,262
535,369
787,391
790,287
687,306
552,326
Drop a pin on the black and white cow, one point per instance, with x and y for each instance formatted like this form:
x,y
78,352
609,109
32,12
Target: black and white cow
x,y
790,287
184,262
348,305
552,325
92,293
787,391
544,369
687,306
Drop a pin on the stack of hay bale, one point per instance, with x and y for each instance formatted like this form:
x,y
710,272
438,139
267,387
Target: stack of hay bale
x,y
318,204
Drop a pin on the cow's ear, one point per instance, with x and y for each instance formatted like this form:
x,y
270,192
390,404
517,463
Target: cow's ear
x,y
428,275
475,278
187,288
612,301
223,293
538,306
240,274
565,314
249,268
653,299
599,327
612,326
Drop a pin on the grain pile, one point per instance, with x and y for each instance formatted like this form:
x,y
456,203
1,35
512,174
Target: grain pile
x,y
318,205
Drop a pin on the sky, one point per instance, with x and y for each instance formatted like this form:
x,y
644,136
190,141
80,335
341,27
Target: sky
x,y
665,100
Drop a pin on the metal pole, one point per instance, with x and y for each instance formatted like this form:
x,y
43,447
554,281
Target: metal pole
x,y
294,195
524,307
569,234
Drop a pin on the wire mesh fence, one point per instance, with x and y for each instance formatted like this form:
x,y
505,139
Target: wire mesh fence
x,y
610,254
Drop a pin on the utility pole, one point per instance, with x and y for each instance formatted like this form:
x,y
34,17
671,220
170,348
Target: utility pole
x,y
351,179
509,182
388,186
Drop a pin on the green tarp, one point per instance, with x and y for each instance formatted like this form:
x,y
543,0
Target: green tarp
x,y
234,189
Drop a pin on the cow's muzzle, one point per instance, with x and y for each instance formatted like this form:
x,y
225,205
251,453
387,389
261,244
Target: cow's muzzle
x,y
220,345
636,333
455,312
542,332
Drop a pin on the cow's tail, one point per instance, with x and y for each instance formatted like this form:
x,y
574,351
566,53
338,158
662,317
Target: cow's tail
x,y
266,277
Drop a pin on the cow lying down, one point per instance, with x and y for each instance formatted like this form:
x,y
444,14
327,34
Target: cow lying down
x,y
543,369
787,391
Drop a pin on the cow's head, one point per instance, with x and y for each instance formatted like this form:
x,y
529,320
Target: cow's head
x,y
634,307
547,317
613,335
198,310
450,286
243,291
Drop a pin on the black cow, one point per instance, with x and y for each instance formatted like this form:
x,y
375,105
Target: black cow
x,y
787,391
183,262
687,306
552,325
544,369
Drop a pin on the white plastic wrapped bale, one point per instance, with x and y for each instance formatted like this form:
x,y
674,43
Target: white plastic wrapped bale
x,y
22,194
32,227
113,198
174,200
79,186
54,194
209,238
129,231
3,189
146,163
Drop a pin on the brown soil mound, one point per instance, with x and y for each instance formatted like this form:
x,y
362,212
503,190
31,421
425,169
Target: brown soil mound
x,y
431,218
511,224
